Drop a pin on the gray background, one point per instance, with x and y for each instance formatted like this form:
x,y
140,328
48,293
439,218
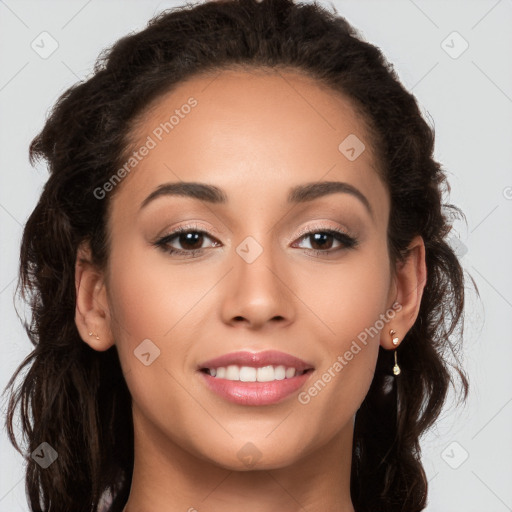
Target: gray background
x,y
468,96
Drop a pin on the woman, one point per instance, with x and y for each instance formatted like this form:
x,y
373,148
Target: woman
x,y
239,275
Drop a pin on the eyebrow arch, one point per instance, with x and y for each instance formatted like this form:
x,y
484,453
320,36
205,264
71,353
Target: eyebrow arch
x,y
311,191
298,194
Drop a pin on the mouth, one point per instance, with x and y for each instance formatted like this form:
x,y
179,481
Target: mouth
x,y
255,378
238,386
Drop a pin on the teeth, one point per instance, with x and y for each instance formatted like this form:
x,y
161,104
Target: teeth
x,y
251,374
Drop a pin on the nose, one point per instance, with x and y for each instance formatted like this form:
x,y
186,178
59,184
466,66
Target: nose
x,y
259,293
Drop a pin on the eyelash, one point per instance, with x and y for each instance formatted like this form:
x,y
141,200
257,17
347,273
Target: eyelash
x,y
162,243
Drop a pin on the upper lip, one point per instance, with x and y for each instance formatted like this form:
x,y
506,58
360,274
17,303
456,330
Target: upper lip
x,y
257,359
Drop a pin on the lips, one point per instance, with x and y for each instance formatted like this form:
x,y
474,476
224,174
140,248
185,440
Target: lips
x,y
255,393
257,360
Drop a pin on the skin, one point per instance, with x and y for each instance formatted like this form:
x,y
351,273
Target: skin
x,y
254,135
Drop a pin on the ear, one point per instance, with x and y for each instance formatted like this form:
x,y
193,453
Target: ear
x,y
91,312
409,282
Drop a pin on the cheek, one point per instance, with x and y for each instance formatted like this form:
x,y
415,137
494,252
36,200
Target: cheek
x,y
349,302
152,306
148,297
347,297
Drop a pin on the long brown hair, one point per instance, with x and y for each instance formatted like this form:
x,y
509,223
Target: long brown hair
x,y
75,398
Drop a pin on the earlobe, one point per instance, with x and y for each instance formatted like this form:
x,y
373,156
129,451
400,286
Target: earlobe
x,y
91,310
410,280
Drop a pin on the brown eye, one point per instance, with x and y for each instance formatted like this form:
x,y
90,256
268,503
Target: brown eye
x,y
184,241
190,240
321,241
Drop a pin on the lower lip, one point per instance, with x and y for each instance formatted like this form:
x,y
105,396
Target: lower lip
x,y
255,393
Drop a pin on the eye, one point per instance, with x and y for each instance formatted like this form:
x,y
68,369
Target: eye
x,y
190,238
321,240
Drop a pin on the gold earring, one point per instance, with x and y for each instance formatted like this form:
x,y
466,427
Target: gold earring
x,y
94,334
396,368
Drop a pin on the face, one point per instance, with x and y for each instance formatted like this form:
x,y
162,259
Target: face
x,y
264,269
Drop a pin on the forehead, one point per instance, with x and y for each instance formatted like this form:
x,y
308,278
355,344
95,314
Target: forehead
x,y
255,131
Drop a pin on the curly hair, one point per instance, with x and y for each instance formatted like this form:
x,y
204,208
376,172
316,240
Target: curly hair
x,y
76,398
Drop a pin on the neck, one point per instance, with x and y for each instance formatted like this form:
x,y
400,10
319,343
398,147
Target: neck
x,y
168,478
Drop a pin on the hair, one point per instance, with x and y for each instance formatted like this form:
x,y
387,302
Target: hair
x,y
75,398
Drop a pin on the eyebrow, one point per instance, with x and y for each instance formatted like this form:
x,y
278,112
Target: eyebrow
x,y
215,195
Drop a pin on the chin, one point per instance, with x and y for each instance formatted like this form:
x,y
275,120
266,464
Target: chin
x,y
252,457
